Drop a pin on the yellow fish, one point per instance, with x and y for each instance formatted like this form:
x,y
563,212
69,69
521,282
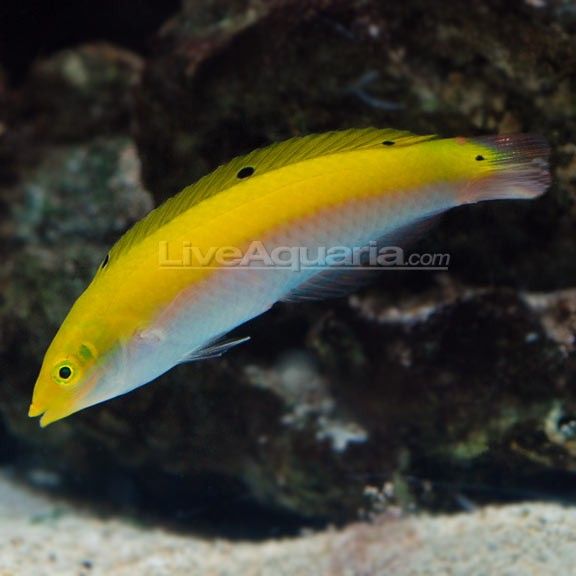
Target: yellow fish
x,y
178,281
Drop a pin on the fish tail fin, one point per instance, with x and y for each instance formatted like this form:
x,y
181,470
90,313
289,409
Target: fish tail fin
x,y
514,167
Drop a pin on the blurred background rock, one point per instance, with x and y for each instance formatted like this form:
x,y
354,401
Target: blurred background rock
x,y
448,389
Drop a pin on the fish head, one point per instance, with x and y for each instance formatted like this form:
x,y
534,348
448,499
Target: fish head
x,y
77,371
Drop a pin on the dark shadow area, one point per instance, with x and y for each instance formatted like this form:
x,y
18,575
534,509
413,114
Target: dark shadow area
x,y
31,29
208,505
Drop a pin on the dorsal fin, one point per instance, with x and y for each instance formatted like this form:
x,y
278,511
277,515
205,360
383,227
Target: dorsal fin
x,y
257,163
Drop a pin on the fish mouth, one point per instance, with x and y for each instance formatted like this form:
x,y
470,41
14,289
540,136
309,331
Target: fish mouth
x,y
46,417
35,410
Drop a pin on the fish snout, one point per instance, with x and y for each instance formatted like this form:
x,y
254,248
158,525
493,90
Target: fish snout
x,y
36,410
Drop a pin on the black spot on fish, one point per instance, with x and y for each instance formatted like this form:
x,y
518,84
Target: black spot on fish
x,y
65,372
245,172
388,143
480,157
105,261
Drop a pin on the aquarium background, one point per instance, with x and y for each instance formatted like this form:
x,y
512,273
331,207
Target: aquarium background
x,y
425,423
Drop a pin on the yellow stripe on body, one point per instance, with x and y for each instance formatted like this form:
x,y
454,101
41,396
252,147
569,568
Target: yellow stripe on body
x,y
255,208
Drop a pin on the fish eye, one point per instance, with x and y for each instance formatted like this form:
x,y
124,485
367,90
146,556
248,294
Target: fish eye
x,y
479,158
64,374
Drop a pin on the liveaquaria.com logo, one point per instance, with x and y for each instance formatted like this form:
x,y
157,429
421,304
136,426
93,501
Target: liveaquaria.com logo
x,y
256,255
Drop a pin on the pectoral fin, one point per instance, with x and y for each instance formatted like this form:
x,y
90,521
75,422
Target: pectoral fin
x,y
214,349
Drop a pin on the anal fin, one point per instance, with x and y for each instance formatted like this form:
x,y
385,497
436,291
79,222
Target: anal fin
x,y
336,281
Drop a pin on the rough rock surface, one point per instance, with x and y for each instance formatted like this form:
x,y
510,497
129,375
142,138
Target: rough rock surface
x,y
448,388
230,76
